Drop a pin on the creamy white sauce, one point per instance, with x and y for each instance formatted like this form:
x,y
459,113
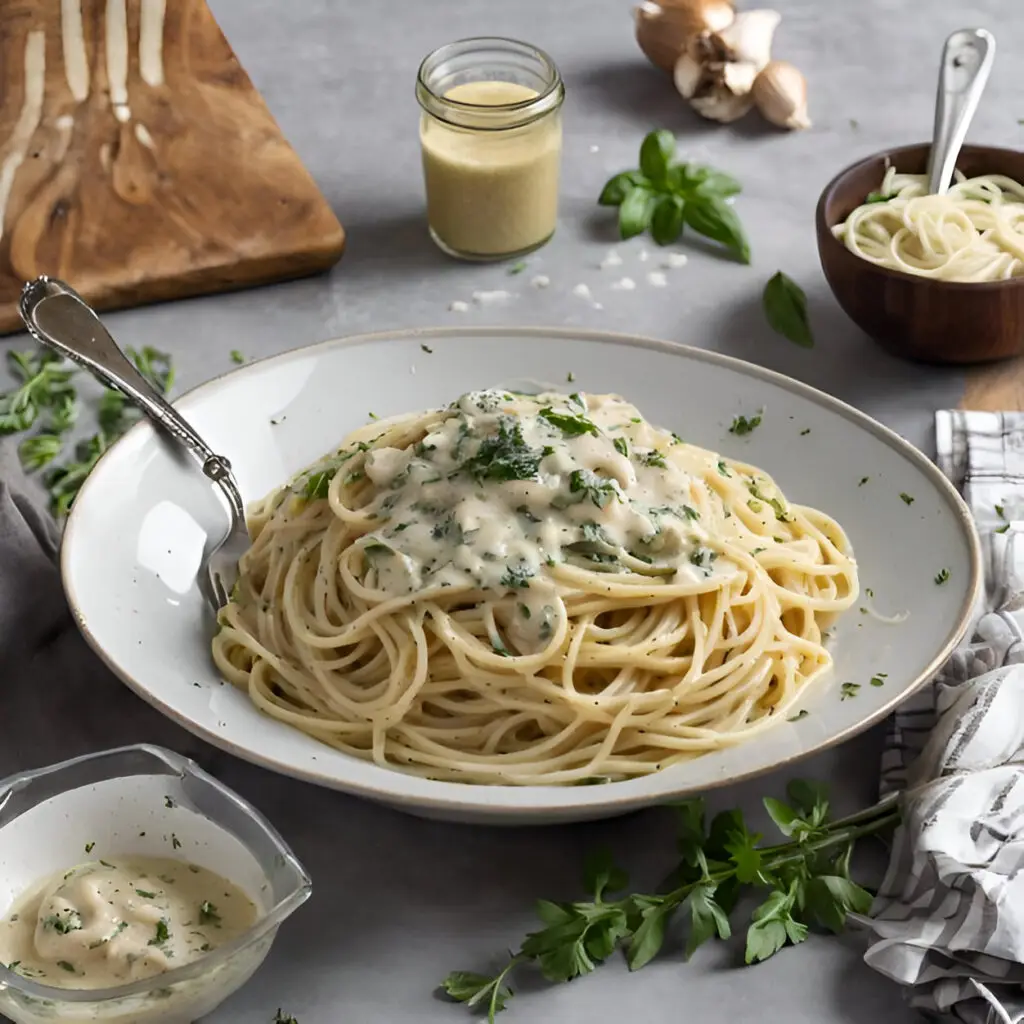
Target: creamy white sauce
x,y
503,487
108,923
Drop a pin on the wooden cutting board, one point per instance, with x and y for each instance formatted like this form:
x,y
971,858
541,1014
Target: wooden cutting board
x,y
137,161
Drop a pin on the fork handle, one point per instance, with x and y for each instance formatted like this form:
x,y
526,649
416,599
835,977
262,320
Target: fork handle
x,y
58,317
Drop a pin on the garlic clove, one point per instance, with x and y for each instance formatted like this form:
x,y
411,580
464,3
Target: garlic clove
x,y
664,29
748,38
780,94
722,105
719,92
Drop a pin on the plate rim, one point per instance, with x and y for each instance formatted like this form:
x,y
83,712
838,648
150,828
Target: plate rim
x,y
469,799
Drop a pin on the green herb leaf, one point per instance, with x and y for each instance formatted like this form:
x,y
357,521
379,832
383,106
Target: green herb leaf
x,y
785,306
906,498
237,357
742,426
504,456
208,913
478,991
617,188
667,219
774,926
601,875
941,577
569,424
635,213
162,933
713,218
649,935
656,153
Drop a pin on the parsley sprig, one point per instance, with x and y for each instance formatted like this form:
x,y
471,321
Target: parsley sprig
x,y
664,196
804,880
46,397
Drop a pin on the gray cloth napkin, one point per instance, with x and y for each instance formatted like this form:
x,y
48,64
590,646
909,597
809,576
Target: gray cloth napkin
x,y
55,678
948,921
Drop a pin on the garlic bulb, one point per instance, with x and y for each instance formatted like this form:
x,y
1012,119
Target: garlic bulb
x,y
717,71
663,29
780,93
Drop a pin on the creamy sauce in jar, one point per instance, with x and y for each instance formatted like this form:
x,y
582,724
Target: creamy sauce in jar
x,y
111,922
492,193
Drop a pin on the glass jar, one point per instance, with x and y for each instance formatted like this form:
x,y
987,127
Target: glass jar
x,y
491,136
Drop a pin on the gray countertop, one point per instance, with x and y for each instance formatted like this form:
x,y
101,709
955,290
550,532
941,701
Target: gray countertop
x,y
399,902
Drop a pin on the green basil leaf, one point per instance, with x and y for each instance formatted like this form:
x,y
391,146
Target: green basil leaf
x,y
715,183
656,154
667,220
785,306
713,218
635,213
616,189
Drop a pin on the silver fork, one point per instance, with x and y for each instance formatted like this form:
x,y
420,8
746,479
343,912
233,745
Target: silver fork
x,y
58,317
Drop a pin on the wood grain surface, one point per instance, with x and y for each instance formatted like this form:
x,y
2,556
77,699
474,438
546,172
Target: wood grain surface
x,y
995,388
139,163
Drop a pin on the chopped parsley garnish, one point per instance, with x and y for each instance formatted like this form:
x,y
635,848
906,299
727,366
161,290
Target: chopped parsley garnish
x,y
879,678
175,842
498,646
906,498
805,431
776,504
941,576
653,458
600,490
529,516
427,349
802,713
863,481
518,268
237,357
504,456
89,847
723,468
848,690
72,922
146,894
281,1018
1000,511
691,513
66,966
703,558
1003,528
569,424
162,933
741,425
516,576
570,376
208,913
621,446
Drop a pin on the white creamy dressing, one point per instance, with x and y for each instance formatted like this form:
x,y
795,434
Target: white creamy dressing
x,y
504,486
107,923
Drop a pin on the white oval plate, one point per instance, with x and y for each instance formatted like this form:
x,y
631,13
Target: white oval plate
x,y
133,544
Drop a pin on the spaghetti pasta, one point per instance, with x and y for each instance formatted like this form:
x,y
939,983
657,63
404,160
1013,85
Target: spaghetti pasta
x,y
972,233
523,589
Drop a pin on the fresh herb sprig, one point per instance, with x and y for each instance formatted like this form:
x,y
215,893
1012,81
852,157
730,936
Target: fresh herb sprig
x,y
664,197
805,880
46,397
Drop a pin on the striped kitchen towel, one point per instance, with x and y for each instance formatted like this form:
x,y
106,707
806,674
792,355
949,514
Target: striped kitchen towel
x,y
948,921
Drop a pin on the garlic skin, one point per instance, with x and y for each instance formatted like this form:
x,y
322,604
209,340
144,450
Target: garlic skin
x,y
665,28
780,94
748,39
717,71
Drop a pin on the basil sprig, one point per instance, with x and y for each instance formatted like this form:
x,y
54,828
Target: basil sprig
x,y
785,306
663,197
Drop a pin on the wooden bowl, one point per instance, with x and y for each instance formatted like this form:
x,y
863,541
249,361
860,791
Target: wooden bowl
x,y
917,317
